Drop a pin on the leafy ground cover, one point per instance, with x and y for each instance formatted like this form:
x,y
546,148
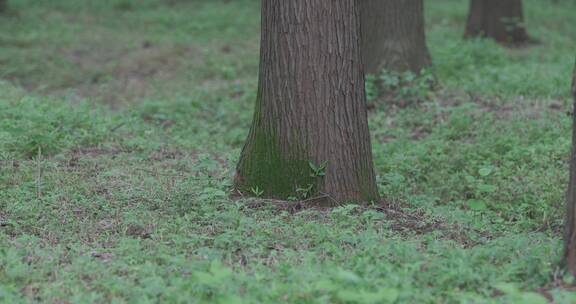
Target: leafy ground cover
x,y
121,122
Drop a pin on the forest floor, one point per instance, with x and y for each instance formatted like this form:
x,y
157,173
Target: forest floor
x,y
121,122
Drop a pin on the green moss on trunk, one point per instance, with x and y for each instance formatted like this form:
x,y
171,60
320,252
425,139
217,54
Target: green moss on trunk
x,y
277,173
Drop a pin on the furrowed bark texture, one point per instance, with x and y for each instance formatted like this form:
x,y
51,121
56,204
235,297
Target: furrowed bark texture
x,y
569,260
310,105
393,36
501,20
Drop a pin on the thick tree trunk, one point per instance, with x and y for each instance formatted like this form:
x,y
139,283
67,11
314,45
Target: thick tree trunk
x,y
569,260
310,106
501,20
393,35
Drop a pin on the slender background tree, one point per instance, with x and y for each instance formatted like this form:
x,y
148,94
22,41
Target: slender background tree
x,y
569,260
310,110
501,20
393,36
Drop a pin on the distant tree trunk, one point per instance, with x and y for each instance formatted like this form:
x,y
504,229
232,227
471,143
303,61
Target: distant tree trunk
x,y
501,20
569,260
3,6
310,107
393,35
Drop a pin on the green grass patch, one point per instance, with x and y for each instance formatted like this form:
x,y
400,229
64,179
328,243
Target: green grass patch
x,y
139,109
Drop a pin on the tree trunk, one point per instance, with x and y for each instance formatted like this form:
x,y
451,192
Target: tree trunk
x,y
393,36
569,260
3,6
310,107
501,20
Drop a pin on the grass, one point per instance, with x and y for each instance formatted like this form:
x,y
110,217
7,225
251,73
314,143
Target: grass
x,y
121,123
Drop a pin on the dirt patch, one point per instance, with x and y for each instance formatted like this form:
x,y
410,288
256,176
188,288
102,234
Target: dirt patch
x,y
504,109
282,206
117,75
139,231
417,222
74,156
473,106
3,220
94,151
166,154
406,223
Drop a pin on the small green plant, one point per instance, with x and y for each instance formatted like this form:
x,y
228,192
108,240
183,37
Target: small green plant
x,y
257,191
480,188
305,192
371,88
403,88
318,170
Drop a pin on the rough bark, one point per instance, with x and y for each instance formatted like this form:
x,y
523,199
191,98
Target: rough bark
x,y
310,105
393,36
501,20
569,259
